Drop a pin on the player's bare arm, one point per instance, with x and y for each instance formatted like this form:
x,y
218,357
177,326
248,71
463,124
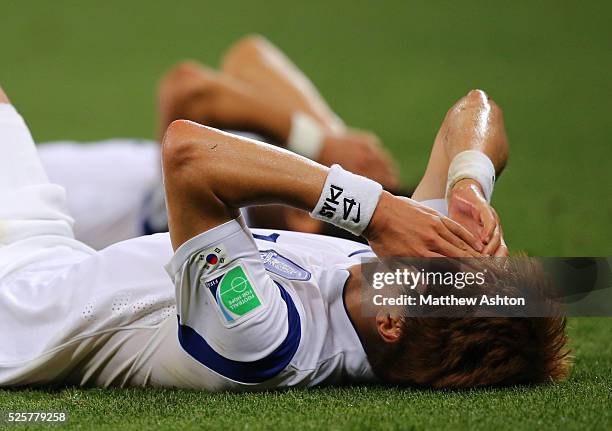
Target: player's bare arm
x,y
474,123
255,60
209,175
260,90
192,91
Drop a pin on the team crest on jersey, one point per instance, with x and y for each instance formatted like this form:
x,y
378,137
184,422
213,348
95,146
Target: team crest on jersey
x,y
212,258
234,294
282,266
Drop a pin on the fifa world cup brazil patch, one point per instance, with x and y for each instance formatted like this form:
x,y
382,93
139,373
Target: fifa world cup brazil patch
x,y
234,294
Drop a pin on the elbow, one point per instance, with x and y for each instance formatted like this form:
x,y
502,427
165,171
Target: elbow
x,y
182,155
179,149
191,153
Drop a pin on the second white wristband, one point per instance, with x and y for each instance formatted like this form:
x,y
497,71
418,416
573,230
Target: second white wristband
x,y
474,165
306,137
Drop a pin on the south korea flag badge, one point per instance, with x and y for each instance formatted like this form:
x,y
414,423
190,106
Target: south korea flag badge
x,y
211,259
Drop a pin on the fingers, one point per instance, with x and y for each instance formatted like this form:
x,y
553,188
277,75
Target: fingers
x,y
449,250
502,251
497,246
459,247
494,242
462,233
489,223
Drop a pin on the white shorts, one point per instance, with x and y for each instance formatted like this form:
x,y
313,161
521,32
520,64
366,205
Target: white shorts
x,y
107,184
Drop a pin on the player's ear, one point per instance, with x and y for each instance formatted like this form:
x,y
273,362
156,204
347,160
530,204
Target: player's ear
x,y
389,327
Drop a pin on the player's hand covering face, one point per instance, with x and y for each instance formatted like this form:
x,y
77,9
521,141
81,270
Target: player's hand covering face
x,y
402,227
468,207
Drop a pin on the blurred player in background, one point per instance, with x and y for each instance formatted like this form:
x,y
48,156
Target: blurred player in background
x,y
114,187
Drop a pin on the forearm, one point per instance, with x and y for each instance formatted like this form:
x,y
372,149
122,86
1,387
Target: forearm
x,y
211,176
482,130
474,123
269,120
191,91
252,115
243,172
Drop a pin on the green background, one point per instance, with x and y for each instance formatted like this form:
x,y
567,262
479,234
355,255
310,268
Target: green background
x,y
87,70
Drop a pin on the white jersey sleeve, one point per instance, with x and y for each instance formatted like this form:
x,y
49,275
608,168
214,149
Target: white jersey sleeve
x,y
233,318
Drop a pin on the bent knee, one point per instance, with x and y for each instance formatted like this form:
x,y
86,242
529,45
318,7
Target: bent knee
x,y
253,40
181,73
248,45
182,69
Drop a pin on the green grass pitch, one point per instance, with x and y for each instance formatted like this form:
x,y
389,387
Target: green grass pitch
x,y
87,70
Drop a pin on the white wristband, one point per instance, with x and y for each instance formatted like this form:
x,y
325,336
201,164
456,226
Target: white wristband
x,y
474,165
347,200
306,137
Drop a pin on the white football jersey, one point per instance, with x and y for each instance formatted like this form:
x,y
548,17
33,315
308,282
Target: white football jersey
x,y
250,311
265,309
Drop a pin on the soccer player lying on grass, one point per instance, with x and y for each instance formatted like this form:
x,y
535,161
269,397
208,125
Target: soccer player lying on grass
x,y
253,310
114,187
